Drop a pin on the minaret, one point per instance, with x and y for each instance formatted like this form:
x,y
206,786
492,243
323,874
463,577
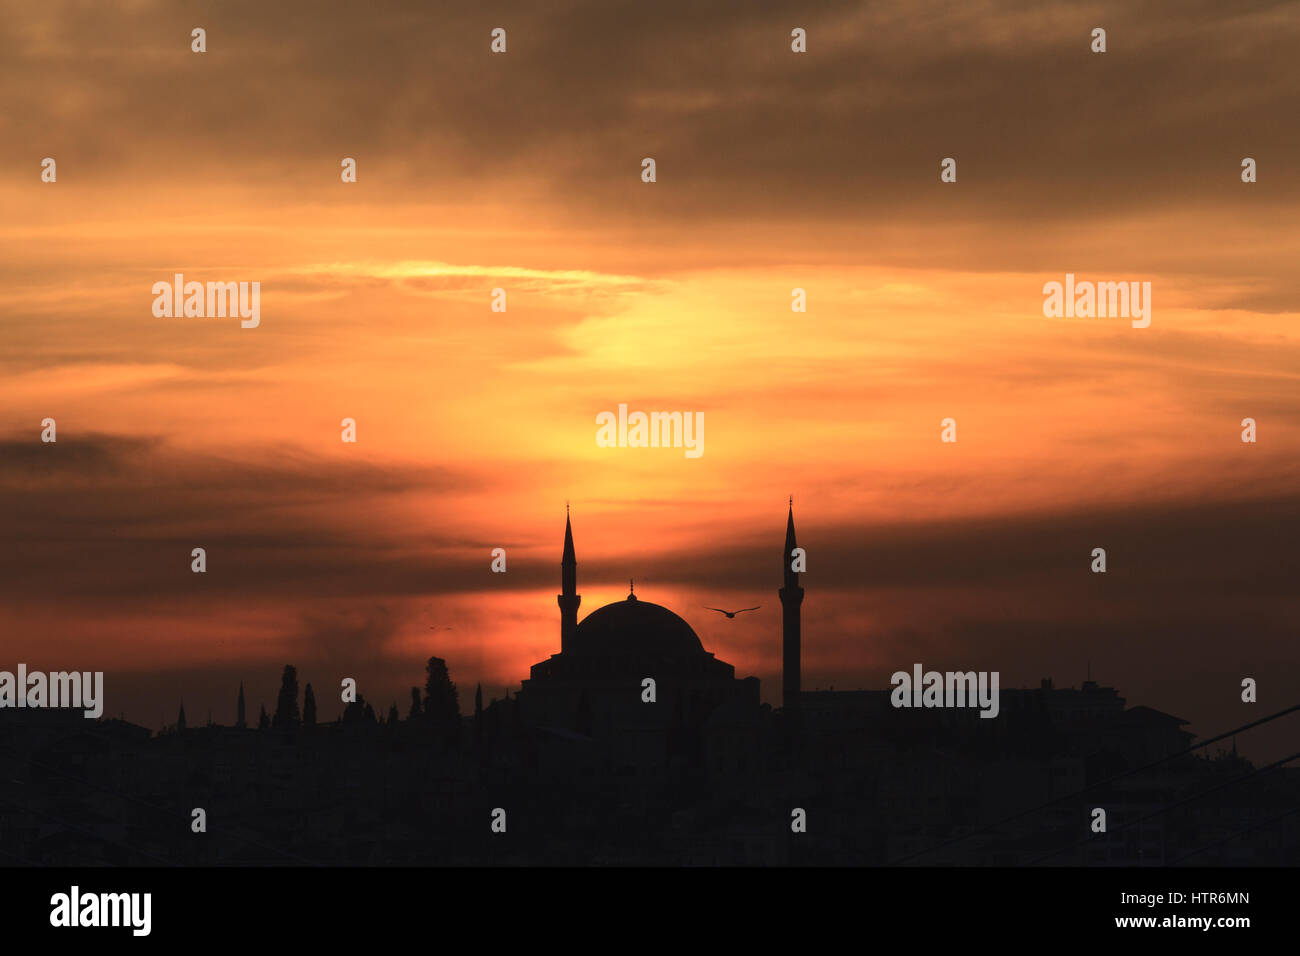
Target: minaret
x,y
239,709
569,598
791,597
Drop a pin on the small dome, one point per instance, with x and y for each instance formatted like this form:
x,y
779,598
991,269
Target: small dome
x,y
635,627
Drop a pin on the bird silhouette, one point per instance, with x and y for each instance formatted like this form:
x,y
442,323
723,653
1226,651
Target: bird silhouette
x,y
440,627
731,614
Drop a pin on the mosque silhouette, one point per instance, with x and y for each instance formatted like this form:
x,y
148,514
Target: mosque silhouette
x,y
595,685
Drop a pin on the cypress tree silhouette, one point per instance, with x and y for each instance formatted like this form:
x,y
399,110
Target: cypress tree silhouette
x,y
441,702
308,707
415,704
180,719
263,722
358,711
478,717
286,708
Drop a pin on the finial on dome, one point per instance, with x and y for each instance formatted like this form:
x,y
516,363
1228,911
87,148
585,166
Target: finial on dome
x,y
631,589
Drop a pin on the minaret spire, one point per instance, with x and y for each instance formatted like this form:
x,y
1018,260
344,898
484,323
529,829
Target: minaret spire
x,y
570,560
791,595
568,599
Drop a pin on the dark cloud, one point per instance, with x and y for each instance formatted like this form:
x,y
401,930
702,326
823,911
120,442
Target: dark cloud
x,y
288,524
26,462
741,127
1160,553
106,516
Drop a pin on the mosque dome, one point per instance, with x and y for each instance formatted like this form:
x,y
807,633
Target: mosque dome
x,y
636,628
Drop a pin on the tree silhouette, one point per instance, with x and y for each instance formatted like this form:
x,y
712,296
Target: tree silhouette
x,y
393,715
308,707
441,702
358,711
263,722
478,717
180,720
415,704
286,708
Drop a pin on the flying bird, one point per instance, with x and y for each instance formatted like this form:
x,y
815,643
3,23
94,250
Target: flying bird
x,y
731,614
440,627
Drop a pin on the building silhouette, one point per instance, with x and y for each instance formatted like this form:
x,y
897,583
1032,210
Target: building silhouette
x,y
596,686
592,772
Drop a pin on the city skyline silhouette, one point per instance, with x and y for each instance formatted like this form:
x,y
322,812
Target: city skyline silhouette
x,y
693,748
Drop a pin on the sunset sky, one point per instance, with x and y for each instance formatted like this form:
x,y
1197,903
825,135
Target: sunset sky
x,y
774,171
